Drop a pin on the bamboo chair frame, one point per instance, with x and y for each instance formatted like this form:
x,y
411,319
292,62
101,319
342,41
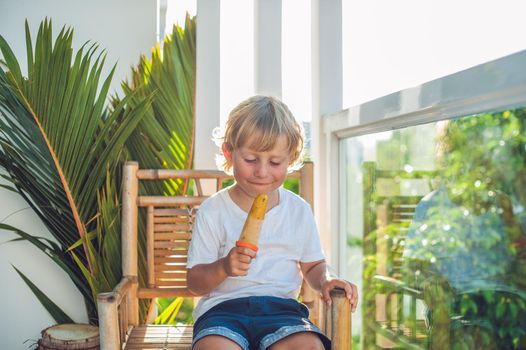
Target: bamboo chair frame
x,y
119,309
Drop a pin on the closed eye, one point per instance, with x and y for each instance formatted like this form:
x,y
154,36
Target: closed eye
x,y
250,160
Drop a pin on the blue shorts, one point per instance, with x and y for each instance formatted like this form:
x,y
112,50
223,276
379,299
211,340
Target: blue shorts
x,y
256,322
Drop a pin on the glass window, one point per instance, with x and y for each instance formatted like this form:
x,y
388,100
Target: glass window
x,y
435,219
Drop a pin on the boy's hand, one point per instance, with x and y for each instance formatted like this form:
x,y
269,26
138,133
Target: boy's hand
x,y
237,262
351,291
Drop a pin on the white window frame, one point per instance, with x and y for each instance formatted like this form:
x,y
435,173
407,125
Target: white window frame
x,y
492,86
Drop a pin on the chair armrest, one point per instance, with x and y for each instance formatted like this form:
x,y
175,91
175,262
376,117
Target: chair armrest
x,y
338,321
110,322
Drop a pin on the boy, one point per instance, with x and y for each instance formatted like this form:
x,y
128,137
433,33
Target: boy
x,y
250,298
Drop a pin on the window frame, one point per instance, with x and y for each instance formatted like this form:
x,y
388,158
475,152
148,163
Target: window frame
x,y
491,86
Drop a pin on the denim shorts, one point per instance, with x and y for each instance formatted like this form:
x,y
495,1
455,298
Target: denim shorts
x,y
255,323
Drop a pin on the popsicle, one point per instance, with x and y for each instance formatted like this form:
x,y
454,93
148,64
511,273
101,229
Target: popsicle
x,y
250,234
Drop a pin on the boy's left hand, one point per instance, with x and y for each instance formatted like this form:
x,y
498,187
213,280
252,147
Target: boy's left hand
x,y
351,291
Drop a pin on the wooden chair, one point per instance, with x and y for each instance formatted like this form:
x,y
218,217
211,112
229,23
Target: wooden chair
x,y
168,232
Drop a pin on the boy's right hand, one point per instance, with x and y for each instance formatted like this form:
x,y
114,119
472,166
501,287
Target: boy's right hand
x,y
237,262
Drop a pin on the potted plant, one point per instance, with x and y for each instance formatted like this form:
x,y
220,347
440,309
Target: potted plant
x,y
62,144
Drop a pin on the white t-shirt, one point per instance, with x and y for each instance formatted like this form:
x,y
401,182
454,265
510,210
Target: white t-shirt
x,y
288,236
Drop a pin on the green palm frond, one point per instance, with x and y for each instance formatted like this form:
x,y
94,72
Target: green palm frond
x,y
61,147
55,253
57,140
58,315
103,244
170,311
165,137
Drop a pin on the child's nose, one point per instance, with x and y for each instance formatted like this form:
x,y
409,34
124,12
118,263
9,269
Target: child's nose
x,y
262,169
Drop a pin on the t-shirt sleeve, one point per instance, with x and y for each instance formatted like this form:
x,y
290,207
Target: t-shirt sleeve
x,y
312,250
205,242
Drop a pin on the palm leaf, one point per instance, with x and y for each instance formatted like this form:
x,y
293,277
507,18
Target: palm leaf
x,y
55,253
103,244
56,312
57,140
168,315
165,137
61,147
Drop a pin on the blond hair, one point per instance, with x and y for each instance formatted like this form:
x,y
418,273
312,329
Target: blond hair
x,y
256,123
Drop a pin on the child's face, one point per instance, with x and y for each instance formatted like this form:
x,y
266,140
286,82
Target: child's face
x,y
259,172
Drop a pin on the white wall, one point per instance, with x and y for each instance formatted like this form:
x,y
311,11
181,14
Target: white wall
x,y
125,29
22,316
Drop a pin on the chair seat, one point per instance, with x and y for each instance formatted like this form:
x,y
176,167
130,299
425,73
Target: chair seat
x,y
151,337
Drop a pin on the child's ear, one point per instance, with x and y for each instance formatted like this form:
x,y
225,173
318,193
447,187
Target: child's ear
x,y
226,152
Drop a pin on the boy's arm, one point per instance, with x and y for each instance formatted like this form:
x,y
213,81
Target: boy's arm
x,y
317,276
204,278
315,273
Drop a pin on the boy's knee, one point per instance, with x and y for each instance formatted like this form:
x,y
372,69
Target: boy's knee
x,y
299,341
215,342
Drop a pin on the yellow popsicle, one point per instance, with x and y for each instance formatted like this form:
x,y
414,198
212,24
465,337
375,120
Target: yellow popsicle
x,y
250,234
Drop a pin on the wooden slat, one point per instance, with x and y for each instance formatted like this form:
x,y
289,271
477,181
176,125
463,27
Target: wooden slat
x,y
171,279
170,244
164,253
168,274
175,265
176,212
162,329
148,293
167,259
166,267
179,252
169,253
174,270
185,227
160,337
150,246
171,274
159,347
164,201
163,283
161,174
199,187
177,236
172,219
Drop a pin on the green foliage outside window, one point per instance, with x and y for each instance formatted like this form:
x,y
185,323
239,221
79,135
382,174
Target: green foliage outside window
x,y
464,251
